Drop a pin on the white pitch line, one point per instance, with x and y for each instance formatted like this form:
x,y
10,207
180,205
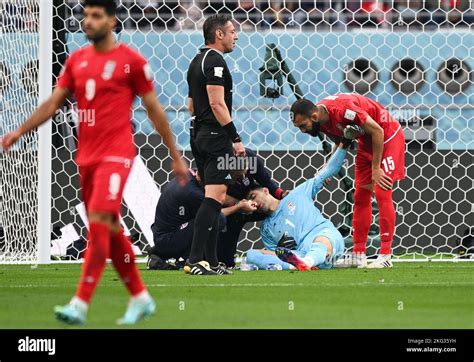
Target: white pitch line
x,y
260,285
244,285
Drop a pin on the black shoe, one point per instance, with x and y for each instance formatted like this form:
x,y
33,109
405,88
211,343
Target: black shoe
x,y
153,262
221,269
200,268
156,263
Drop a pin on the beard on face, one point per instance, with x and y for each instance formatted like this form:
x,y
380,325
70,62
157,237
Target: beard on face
x,y
314,129
97,36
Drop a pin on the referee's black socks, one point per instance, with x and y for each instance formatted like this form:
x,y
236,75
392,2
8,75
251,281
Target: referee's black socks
x,y
210,250
206,227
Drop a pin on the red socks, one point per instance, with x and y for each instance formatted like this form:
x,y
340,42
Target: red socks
x,y
362,219
100,246
95,257
386,219
123,259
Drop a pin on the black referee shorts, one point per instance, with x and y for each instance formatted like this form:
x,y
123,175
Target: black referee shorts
x,y
213,152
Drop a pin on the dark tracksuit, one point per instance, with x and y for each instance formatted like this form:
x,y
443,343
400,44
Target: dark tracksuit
x,y
177,207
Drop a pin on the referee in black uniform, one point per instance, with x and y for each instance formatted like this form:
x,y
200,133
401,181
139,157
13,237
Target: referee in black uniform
x,y
214,138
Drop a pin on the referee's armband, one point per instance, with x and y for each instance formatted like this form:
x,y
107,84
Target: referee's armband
x,y
231,131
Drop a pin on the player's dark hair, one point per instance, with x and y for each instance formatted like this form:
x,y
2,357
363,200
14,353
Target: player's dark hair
x,y
302,107
110,6
212,23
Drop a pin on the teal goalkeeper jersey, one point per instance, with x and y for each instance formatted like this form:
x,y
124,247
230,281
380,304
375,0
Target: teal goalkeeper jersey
x,y
297,216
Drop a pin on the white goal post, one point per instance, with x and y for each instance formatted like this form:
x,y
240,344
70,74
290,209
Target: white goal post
x,y
45,80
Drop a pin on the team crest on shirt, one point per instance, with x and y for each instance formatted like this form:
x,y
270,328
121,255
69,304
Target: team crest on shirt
x,y
291,208
109,68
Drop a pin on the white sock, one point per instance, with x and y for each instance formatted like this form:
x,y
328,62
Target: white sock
x,y
143,297
309,261
79,304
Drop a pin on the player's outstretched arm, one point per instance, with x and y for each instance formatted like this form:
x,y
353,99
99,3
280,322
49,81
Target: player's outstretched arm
x,y
43,113
334,164
311,187
376,133
158,117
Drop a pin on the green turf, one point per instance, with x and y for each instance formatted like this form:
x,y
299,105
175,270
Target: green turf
x,y
411,295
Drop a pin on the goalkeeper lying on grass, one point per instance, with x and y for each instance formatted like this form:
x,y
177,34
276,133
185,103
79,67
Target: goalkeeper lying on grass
x,y
295,233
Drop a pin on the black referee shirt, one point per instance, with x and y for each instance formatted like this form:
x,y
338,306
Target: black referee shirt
x,y
208,68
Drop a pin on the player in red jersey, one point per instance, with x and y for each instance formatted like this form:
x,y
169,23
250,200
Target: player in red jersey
x,y
105,77
380,161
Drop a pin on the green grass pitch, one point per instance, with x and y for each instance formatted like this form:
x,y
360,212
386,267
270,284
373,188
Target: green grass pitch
x,y
411,295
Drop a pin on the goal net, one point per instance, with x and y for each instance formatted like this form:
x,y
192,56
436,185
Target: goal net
x,y
18,98
414,57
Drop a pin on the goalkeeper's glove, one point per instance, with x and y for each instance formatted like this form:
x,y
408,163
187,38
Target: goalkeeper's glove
x,y
353,131
288,242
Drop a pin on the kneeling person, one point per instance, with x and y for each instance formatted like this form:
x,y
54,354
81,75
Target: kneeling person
x,y
173,228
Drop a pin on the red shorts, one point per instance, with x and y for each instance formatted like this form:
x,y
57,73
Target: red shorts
x,y
393,161
102,185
